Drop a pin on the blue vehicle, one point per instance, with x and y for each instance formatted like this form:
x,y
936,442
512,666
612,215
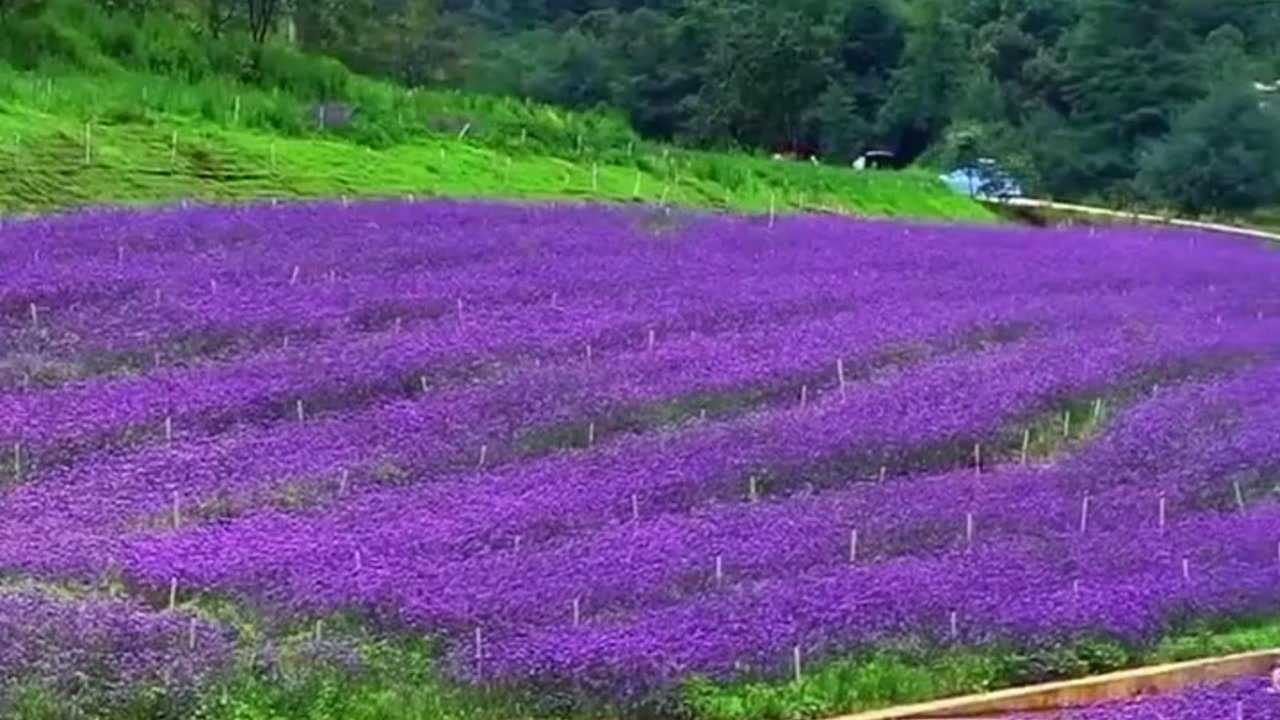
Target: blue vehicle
x,y
983,180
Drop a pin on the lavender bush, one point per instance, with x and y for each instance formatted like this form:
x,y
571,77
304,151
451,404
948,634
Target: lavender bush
x,y
103,652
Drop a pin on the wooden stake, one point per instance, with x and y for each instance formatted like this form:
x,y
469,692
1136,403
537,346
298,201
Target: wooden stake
x,y
1163,505
773,211
17,461
1066,424
977,459
358,560
484,451
479,652
191,635
591,434
955,625
968,530
168,429
173,594
795,657
423,380
1239,495
577,612
459,312
635,191
1186,569
840,377
319,632
1026,445
804,395
465,129
653,339
1075,589
884,471
1084,515
588,353
853,546
753,494
302,415
1097,409
35,316
343,480
719,571
177,511
635,507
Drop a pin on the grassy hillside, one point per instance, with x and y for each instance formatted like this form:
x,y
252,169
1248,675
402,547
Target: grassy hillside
x,y
57,155
106,108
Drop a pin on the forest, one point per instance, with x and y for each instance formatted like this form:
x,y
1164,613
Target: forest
x,y
1166,102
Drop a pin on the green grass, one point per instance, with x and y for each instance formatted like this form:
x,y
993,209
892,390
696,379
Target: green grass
x,y
44,165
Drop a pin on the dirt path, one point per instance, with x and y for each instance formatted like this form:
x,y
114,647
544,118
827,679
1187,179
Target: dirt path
x,y
1139,217
1087,691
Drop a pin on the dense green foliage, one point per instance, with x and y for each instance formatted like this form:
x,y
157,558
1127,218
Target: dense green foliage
x,y
1067,92
1224,153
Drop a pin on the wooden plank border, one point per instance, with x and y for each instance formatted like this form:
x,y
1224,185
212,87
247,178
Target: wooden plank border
x,y
1087,691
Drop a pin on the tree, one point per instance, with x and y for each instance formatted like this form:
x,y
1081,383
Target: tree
x,y
378,37
926,86
763,72
1222,155
1130,70
262,15
842,131
218,15
1223,58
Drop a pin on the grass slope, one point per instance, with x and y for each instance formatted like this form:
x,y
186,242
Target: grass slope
x,y
50,160
91,99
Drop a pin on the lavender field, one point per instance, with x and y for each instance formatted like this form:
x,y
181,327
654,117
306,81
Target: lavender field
x,y
598,452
